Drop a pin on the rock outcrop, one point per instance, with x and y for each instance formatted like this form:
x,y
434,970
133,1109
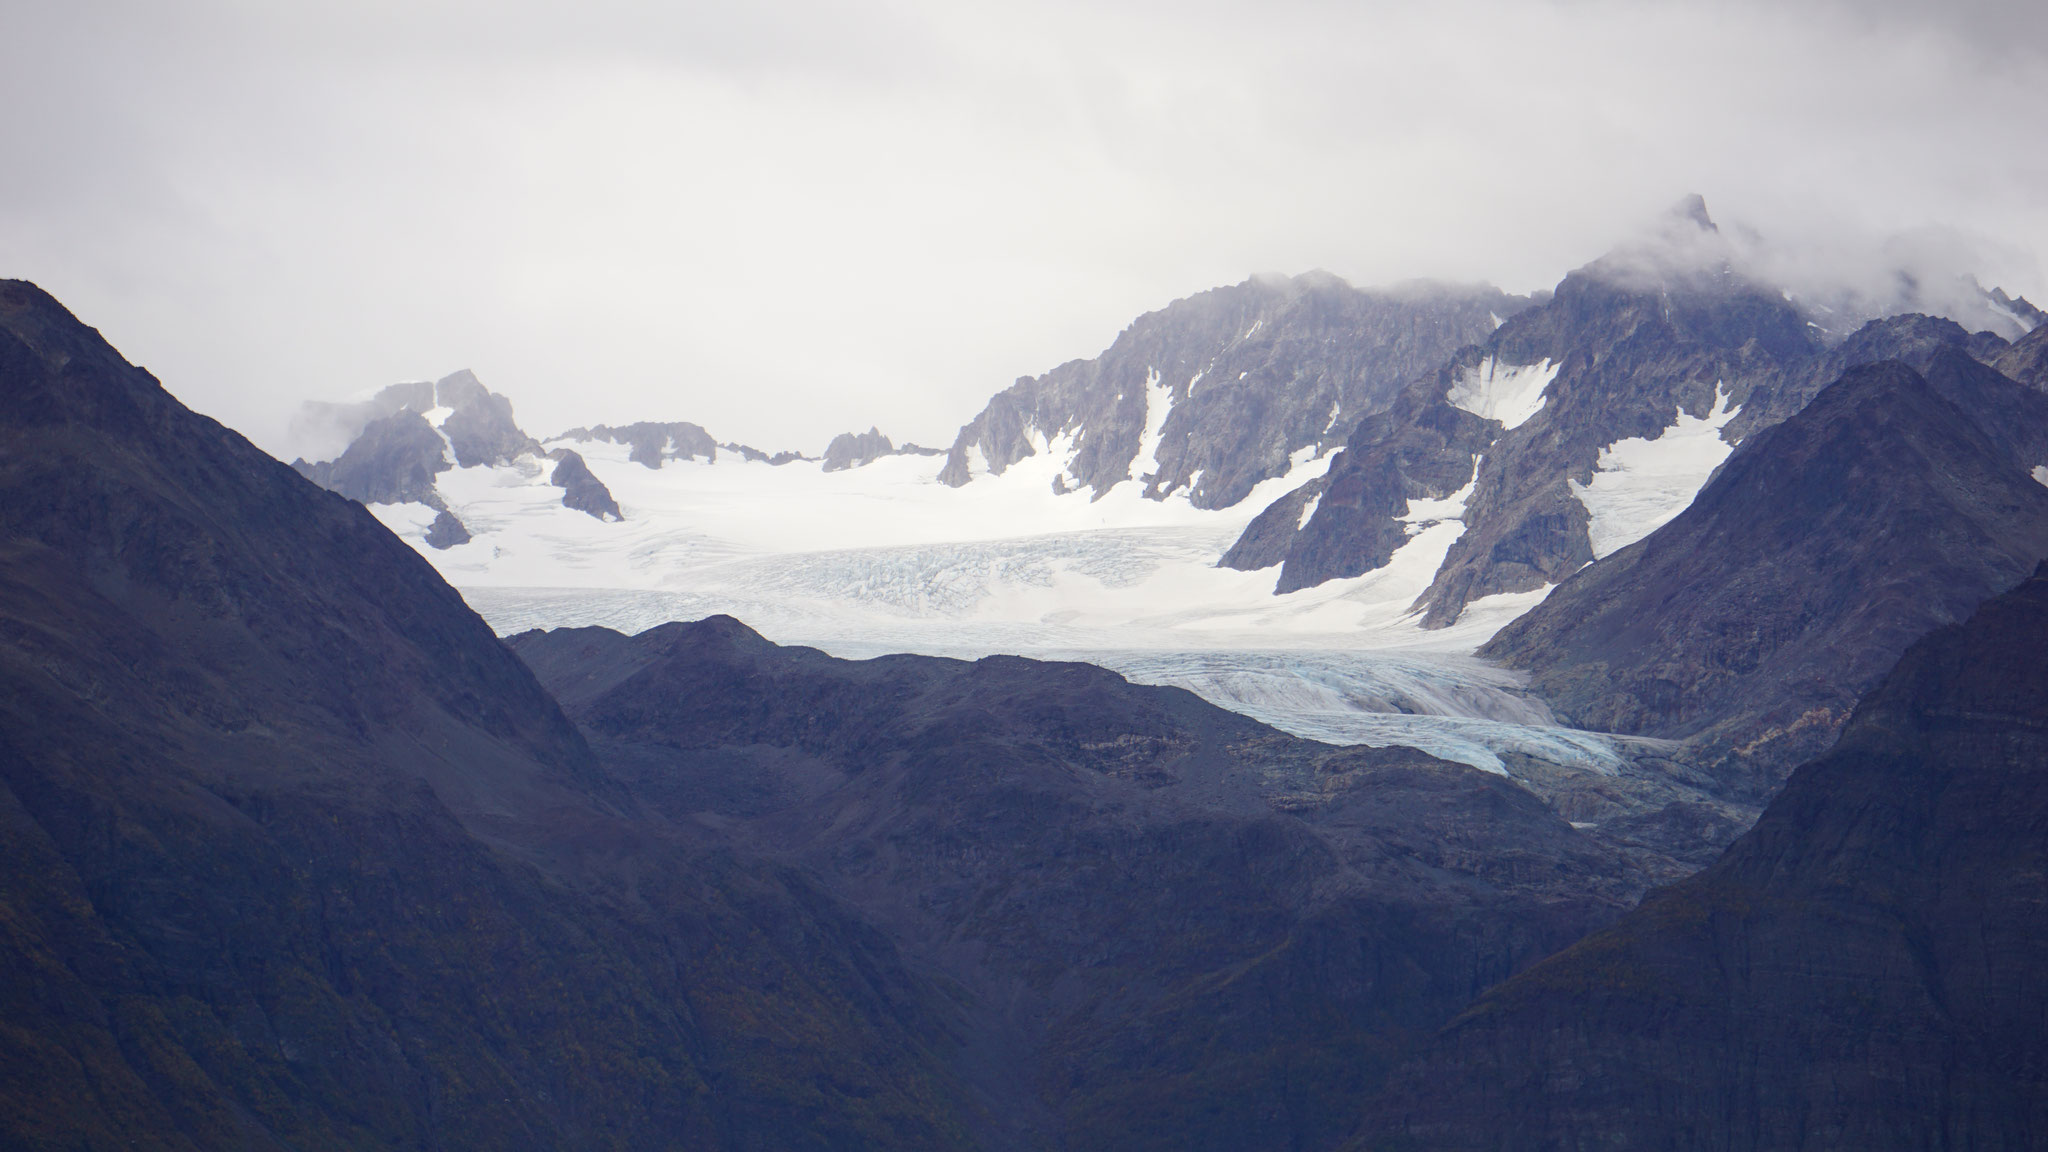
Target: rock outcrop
x,y
756,455
849,450
446,531
652,442
393,461
581,490
479,425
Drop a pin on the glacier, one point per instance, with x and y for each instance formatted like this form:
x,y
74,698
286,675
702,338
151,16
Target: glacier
x,y
883,558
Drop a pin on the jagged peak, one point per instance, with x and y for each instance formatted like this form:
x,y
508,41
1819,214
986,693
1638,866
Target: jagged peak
x,y
1692,208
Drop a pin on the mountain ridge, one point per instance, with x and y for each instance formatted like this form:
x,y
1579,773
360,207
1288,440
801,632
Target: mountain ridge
x,y
1891,504
298,853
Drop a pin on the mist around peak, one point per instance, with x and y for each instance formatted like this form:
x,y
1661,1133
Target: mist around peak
x,y
1839,278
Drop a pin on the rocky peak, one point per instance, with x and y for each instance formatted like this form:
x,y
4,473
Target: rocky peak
x,y
1624,348
580,489
392,461
397,450
1221,390
480,427
652,442
849,450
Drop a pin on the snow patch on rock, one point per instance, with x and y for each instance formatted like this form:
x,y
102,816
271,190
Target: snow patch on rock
x,y
1640,484
1158,405
1308,510
1509,393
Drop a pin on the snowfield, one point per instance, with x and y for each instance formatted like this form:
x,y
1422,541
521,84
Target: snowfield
x,y
883,558
1509,393
1641,484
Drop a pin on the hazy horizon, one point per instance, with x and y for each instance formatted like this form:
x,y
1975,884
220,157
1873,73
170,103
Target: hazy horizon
x,y
804,219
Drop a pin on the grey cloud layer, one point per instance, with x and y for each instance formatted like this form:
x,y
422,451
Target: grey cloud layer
x,y
787,220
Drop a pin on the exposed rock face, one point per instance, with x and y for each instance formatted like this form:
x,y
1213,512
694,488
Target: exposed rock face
x,y
2021,309
446,531
652,442
1861,970
777,459
1418,448
1219,391
1623,346
1890,505
395,457
342,423
2027,359
848,450
1168,925
581,490
393,461
294,853
480,427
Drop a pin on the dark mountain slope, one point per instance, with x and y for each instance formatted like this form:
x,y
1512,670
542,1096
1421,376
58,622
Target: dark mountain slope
x,y
298,855
1890,505
1171,926
1913,339
1861,970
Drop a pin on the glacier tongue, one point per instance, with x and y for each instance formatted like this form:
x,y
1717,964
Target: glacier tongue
x,y
1456,709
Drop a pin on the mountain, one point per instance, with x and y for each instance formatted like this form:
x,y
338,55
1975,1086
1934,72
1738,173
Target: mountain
x,y
1226,388
297,854
1168,926
408,434
848,450
652,442
1578,427
1891,505
1634,344
1861,970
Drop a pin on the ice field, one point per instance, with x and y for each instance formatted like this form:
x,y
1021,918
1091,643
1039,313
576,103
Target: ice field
x,y
883,558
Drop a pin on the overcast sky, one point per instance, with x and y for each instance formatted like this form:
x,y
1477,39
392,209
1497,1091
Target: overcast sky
x,y
784,220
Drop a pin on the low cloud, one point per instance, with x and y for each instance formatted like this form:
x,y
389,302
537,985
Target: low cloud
x,y
789,220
